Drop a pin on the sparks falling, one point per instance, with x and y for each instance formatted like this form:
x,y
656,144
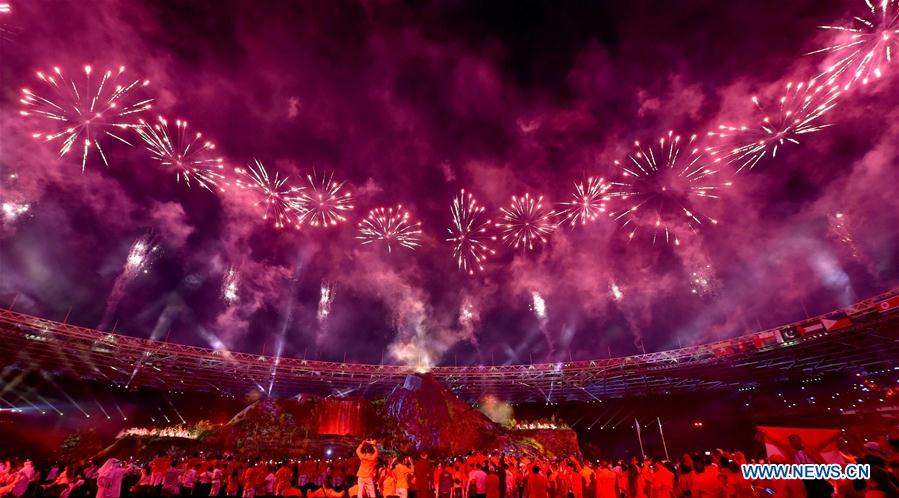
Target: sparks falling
x,y
703,281
326,297
187,155
839,227
13,210
616,291
798,112
323,203
230,286
526,222
5,29
662,186
865,46
468,233
587,202
139,258
276,195
79,114
390,226
538,305
469,317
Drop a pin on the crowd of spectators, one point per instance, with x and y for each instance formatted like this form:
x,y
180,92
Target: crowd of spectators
x,y
373,472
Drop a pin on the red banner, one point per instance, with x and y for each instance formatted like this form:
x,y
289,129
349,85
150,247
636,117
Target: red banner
x,y
801,445
342,417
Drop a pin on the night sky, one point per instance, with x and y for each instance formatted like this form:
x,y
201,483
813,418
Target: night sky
x,y
409,103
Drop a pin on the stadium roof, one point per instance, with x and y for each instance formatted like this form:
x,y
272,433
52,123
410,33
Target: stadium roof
x,y
861,337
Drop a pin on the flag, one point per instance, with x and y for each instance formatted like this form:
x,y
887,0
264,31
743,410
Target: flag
x,y
888,305
836,323
722,349
763,339
811,328
788,334
817,445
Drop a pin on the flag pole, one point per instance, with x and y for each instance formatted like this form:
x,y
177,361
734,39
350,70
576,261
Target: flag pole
x,y
664,444
639,437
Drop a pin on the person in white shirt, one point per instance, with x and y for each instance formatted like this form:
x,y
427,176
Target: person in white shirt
x,y
188,481
53,474
270,483
216,477
171,480
479,478
109,479
26,475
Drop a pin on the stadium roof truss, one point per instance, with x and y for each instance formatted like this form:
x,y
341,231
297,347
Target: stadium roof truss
x,y
864,336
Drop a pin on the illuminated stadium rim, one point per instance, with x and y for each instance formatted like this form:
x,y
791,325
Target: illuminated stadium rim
x,y
805,348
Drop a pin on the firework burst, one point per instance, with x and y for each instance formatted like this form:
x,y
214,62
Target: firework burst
x,y
322,203
468,233
277,196
588,202
866,45
799,112
188,156
230,286
391,226
526,222
79,114
662,185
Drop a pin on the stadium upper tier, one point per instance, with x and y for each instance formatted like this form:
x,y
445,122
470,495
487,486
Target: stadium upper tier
x,y
861,337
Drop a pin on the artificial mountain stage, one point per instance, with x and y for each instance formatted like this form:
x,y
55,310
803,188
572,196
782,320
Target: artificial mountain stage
x,y
420,415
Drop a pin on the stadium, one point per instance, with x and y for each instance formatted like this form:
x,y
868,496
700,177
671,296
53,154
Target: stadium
x,y
860,338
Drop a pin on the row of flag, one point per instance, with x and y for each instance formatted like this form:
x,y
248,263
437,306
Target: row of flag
x,y
830,323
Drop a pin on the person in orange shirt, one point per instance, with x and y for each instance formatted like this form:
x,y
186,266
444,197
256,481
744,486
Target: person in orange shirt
x,y
493,483
706,481
249,482
536,484
575,481
606,481
387,481
684,481
662,484
282,479
587,474
367,452
401,473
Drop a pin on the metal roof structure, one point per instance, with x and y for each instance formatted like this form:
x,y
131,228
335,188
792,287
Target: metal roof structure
x,y
864,336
